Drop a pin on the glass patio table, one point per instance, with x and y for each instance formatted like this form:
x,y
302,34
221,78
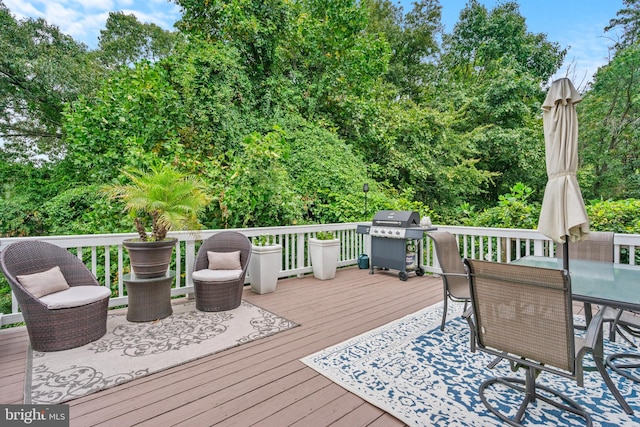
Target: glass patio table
x,y
595,282
602,283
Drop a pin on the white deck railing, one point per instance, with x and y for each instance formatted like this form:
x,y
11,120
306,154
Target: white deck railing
x,y
105,256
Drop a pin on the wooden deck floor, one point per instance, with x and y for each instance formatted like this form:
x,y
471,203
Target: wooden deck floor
x,y
260,383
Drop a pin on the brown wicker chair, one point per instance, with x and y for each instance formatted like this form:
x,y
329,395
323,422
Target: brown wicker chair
x,y
454,275
221,295
524,314
60,328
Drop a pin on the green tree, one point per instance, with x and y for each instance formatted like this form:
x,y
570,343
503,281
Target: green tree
x,y
412,38
514,210
255,28
609,147
407,146
217,96
257,190
41,71
492,73
629,19
23,187
82,210
482,39
326,174
125,41
136,112
619,216
333,60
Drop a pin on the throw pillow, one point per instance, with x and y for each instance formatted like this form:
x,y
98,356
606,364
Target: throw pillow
x,y
224,260
44,283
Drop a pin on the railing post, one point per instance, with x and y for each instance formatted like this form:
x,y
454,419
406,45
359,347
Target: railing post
x,y
107,265
538,247
190,259
301,244
120,270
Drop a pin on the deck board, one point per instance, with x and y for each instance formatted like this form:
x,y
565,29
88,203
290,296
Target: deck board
x,y
262,382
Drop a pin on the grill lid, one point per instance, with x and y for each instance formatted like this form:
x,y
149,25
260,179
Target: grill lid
x,y
404,219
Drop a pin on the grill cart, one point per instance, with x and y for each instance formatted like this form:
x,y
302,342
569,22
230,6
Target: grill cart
x,y
391,233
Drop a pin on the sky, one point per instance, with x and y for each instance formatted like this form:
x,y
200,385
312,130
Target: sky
x,y
575,24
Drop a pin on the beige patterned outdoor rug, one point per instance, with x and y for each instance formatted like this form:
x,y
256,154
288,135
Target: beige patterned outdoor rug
x,y
132,350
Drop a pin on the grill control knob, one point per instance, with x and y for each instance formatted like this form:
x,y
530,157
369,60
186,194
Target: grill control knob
x,y
398,233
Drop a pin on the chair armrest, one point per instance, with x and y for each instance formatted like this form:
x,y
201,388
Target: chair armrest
x,y
468,315
594,328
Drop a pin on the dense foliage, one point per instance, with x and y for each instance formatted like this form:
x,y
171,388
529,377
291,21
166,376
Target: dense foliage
x,y
285,109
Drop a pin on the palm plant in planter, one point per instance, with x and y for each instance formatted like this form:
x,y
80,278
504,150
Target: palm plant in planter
x,y
166,199
324,250
264,264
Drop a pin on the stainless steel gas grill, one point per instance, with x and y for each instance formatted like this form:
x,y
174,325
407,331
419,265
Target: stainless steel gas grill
x,y
390,232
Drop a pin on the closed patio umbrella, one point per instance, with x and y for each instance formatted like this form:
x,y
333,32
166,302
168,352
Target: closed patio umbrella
x,y
563,217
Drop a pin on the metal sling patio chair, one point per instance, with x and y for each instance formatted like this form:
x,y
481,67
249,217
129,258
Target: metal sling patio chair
x,y
597,247
524,314
454,276
219,271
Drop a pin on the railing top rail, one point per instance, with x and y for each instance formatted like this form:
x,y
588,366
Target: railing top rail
x,y
494,232
71,241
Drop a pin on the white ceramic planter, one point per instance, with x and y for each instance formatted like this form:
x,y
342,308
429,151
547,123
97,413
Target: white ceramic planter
x,y
324,257
264,267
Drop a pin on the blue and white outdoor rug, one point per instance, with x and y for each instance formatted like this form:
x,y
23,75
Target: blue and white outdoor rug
x,y
425,377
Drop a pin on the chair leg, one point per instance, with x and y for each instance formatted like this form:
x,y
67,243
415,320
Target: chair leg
x,y
598,360
623,335
622,363
444,312
612,332
529,388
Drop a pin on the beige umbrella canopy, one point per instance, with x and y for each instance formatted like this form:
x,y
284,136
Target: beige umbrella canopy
x,y
563,217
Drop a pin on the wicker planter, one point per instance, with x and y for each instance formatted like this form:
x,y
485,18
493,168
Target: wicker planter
x,y
324,257
150,259
264,267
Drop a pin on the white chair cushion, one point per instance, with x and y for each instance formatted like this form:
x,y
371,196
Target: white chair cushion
x,y
75,296
44,283
207,275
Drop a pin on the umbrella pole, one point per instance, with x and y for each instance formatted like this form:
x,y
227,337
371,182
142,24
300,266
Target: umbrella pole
x,y
565,254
